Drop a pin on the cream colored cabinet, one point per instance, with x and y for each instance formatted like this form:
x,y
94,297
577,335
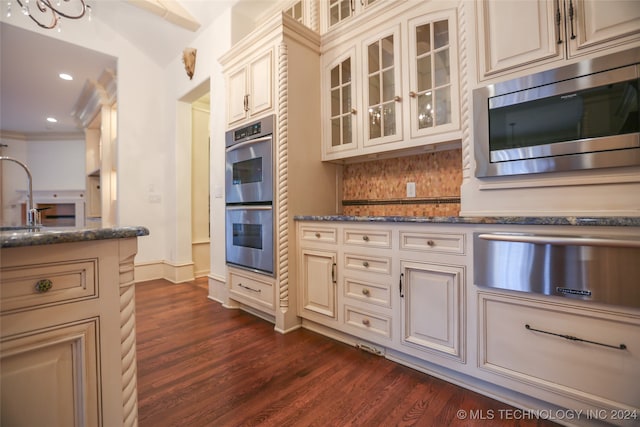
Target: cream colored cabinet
x,y
514,36
250,88
394,88
590,354
338,11
67,346
317,260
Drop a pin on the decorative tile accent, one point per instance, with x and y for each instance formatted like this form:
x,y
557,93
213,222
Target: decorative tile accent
x,y
437,174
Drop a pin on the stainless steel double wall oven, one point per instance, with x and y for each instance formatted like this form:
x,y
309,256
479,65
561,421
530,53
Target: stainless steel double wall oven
x,y
249,191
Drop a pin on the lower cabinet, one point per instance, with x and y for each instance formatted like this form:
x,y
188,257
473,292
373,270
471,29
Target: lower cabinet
x,y
432,305
318,292
67,334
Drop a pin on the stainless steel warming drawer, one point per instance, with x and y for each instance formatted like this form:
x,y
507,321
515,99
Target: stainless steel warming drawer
x,y
598,269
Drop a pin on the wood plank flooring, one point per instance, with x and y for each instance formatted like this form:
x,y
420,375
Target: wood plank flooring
x,y
200,364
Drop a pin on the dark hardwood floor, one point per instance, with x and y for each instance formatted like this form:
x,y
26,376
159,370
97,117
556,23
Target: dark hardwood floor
x,y
200,364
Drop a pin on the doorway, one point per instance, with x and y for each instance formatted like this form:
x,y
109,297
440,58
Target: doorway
x,y
200,173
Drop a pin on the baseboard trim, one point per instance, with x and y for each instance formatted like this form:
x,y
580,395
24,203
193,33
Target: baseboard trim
x,y
153,270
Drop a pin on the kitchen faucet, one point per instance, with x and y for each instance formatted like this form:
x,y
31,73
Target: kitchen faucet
x,y
33,215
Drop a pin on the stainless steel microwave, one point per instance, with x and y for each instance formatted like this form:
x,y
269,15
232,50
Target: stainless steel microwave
x,y
581,116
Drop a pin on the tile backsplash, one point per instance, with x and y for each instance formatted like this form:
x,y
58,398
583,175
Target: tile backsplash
x,y
379,187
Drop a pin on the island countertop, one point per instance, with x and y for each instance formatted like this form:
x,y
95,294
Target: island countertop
x,y
12,237
510,220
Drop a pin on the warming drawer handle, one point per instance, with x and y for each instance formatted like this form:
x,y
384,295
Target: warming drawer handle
x,y
572,338
562,240
249,288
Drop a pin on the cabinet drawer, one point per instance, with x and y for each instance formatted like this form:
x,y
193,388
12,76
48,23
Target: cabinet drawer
x,y
374,323
69,281
369,238
432,242
318,234
252,289
380,265
372,293
531,354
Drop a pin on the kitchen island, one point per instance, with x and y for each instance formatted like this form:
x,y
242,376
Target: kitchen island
x,y
68,345
454,297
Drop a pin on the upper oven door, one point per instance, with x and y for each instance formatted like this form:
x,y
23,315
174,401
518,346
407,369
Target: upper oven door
x,y
249,171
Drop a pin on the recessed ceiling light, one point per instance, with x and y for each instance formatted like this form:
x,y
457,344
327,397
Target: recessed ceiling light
x,y
52,120
65,76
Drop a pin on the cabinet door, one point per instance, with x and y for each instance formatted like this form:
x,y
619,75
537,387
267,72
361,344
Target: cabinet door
x,y
601,24
260,84
50,378
318,271
512,34
433,74
341,114
432,307
237,96
382,88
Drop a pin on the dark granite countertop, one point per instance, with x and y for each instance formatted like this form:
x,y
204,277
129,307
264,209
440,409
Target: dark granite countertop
x,y
513,220
11,237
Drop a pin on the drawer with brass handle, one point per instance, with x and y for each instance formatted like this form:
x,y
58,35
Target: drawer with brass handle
x,y
27,286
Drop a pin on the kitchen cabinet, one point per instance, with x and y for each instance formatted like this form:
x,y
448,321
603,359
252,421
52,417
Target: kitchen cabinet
x,y
525,341
394,88
318,273
250,88
515,36
399,287
68,334
341,11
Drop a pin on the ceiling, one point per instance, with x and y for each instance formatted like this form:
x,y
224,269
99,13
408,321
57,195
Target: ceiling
x,y
30,61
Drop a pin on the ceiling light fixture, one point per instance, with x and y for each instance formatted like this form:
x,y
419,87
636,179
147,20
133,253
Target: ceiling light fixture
x,y
53,10
65,76
52,120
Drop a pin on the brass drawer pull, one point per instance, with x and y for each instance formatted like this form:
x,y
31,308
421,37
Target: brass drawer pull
x,y
366,292
365,264
317,235
366,322
43,285
431,243
365,238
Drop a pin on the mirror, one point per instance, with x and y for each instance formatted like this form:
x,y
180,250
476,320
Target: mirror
x,y
64,157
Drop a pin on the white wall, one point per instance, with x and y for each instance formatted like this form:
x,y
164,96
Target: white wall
x,y
57,165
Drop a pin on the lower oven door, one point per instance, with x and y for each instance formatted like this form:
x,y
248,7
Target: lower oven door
x,y
249,237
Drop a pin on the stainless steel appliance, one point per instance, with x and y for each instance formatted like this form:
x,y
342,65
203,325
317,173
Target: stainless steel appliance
x,y
249,163
249,196
598,269
581,116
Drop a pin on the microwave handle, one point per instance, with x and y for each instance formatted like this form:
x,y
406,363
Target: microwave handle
x,y
249,142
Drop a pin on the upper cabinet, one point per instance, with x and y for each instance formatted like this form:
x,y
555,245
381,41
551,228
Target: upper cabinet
x,y
394,87
250,88
513,36
338,11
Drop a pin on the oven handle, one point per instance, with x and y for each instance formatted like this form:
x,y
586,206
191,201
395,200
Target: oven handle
x,y
249,142
250,208
563,240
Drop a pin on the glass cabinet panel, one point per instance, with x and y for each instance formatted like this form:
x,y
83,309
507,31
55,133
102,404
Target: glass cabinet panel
x,y
339,10
433,74
295,11
341,104
381,87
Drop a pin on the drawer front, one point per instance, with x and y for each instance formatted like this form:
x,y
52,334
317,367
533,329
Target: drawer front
x,y
432,242
379,265
375,324
372,293
517,342
254,290
368,238
318,234
29,286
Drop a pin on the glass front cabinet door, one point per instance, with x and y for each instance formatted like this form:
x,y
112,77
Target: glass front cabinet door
x,y
382,88
433,74
341,126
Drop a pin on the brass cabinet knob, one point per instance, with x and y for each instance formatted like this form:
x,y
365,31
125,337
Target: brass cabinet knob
x,y
397,98
431,243
412,94
366,292
365,238
354,111
365,264
317,235
366,322
43,285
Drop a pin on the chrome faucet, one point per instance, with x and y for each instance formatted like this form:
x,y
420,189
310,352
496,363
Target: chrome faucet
x,y
33,214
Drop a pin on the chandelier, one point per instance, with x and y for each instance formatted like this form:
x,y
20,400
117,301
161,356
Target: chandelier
x,y
41,11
